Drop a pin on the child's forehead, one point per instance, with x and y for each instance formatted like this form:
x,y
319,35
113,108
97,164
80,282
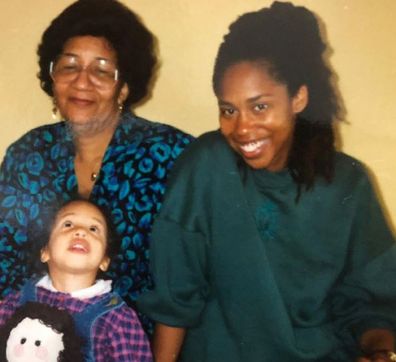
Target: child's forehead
x,y
81,209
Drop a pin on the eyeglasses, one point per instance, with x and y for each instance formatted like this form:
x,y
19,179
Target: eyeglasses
x,y
101,72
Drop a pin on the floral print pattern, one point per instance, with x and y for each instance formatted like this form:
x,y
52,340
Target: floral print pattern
x,y
38,169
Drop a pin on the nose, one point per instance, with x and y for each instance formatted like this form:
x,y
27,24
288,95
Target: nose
x,y
79,231
243,124
82,79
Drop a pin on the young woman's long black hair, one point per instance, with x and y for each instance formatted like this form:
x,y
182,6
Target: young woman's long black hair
x,y
287,41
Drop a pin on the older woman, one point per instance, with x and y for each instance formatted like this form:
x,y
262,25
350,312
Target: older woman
x,y
271,245
96,60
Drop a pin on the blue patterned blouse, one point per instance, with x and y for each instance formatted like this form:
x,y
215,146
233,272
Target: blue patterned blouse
x,y
39,169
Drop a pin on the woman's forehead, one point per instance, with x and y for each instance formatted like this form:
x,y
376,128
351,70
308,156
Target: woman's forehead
x,y
89,45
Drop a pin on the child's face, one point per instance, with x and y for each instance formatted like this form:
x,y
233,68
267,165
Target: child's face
x,y
78,241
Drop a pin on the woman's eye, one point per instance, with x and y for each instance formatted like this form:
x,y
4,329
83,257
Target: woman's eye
x,y
67,224
67,69
102,73
261,107
227,112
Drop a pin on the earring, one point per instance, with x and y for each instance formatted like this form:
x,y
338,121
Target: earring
x,y
54,109
120,106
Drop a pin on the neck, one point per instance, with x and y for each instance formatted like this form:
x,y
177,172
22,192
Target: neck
x,y
68,283
94,127
92,148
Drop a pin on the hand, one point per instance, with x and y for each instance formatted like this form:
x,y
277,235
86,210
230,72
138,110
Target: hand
x,y
167,342
380,356
378,344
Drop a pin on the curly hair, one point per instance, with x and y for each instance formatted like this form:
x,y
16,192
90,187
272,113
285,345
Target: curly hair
x,y
40,234
131,40
286,40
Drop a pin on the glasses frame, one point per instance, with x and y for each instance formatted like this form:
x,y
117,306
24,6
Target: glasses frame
x,y
51,71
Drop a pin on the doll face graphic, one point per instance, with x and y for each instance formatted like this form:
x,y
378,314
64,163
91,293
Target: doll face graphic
x,y
33,341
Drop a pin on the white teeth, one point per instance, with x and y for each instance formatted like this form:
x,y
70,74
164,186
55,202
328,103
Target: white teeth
x,y
252,146
78,246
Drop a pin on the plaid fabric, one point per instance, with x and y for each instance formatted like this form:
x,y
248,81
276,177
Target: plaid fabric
x,y
38,169
117,335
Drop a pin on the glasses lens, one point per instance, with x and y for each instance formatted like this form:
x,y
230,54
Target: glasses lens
x,y
101,72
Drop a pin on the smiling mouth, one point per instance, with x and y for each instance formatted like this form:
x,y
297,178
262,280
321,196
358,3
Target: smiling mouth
x,y
252,147
81,101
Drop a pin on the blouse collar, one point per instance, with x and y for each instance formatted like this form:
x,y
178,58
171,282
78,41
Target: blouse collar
x,y
100,287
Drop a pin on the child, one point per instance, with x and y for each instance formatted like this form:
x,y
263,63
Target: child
x,y
77,249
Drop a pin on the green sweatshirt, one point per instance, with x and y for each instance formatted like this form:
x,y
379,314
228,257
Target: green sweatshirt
x,y
256,276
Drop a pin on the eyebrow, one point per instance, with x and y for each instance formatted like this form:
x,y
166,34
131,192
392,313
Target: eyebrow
x,y
69,54
62,216
222,102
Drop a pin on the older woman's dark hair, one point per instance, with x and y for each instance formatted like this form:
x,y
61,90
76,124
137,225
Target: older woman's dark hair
x,y
131,40
285,39
39,234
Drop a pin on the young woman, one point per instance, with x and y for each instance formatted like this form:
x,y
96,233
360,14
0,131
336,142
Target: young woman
x,y
271,245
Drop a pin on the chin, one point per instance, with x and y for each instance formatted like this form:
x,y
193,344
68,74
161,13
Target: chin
x,y
85,127
79,119
256,163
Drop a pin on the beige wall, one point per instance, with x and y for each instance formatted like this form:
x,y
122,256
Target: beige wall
x,y
361,33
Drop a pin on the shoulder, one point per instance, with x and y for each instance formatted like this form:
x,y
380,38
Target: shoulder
x,y
209,167
119,317
113,308
119,334
209,142
8,306
209,152
35,151
350,170
208,146
139,140
351,183
39,138
46,132
11,299
152,132
349,164
118,320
